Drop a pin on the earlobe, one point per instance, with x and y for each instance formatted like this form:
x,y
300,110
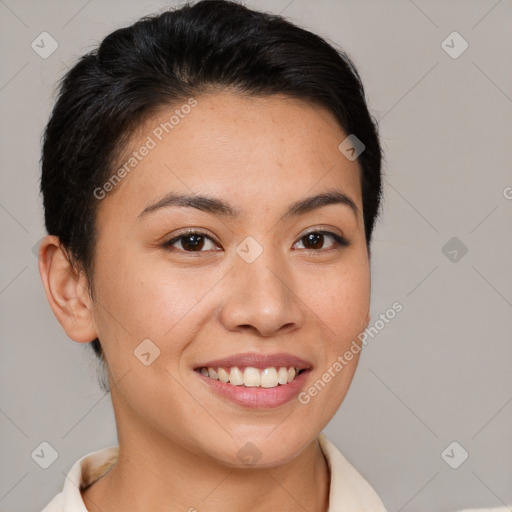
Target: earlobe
x,y
66,291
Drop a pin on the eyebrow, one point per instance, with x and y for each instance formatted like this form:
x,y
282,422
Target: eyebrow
x,y
218,207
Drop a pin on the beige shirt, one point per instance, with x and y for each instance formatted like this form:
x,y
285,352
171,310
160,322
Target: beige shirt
x,y
349,491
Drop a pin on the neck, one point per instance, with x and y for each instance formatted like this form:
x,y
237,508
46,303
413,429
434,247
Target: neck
x,y
158,475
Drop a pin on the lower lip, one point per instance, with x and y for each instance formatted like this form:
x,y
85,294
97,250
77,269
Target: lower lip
x,y
257,397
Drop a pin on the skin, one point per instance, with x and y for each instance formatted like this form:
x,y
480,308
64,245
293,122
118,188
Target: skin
x,y
178,440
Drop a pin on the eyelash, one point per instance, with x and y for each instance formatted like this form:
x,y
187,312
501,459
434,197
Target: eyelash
x,y
339,241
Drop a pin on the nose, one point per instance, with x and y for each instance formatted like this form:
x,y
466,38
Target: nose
x,y
261,297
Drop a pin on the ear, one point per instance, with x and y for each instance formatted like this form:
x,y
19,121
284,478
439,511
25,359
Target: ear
x,y
66,291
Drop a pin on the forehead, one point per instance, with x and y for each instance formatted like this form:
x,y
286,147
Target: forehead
x,y
253,150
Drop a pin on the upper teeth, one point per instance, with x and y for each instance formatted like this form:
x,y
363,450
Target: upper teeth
x,y
252,377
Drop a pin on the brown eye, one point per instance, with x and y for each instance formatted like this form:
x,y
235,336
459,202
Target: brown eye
x,y
192,242
315,240
189,242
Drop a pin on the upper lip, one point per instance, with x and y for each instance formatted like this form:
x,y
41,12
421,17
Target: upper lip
x,y
258,360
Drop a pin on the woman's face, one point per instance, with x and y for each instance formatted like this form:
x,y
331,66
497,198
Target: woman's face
x,y
257,281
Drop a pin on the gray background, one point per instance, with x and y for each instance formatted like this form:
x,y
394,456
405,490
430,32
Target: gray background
x,y
439,372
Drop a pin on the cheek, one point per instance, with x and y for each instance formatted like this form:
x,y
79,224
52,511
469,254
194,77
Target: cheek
x,y
144,298
340,301
340,297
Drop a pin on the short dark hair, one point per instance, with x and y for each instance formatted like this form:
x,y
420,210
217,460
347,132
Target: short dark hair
x,y
166,58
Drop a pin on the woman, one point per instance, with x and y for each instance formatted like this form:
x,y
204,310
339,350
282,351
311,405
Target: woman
x,y
211,179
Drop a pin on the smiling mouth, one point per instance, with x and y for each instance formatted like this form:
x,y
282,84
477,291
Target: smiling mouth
x,y
249,376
